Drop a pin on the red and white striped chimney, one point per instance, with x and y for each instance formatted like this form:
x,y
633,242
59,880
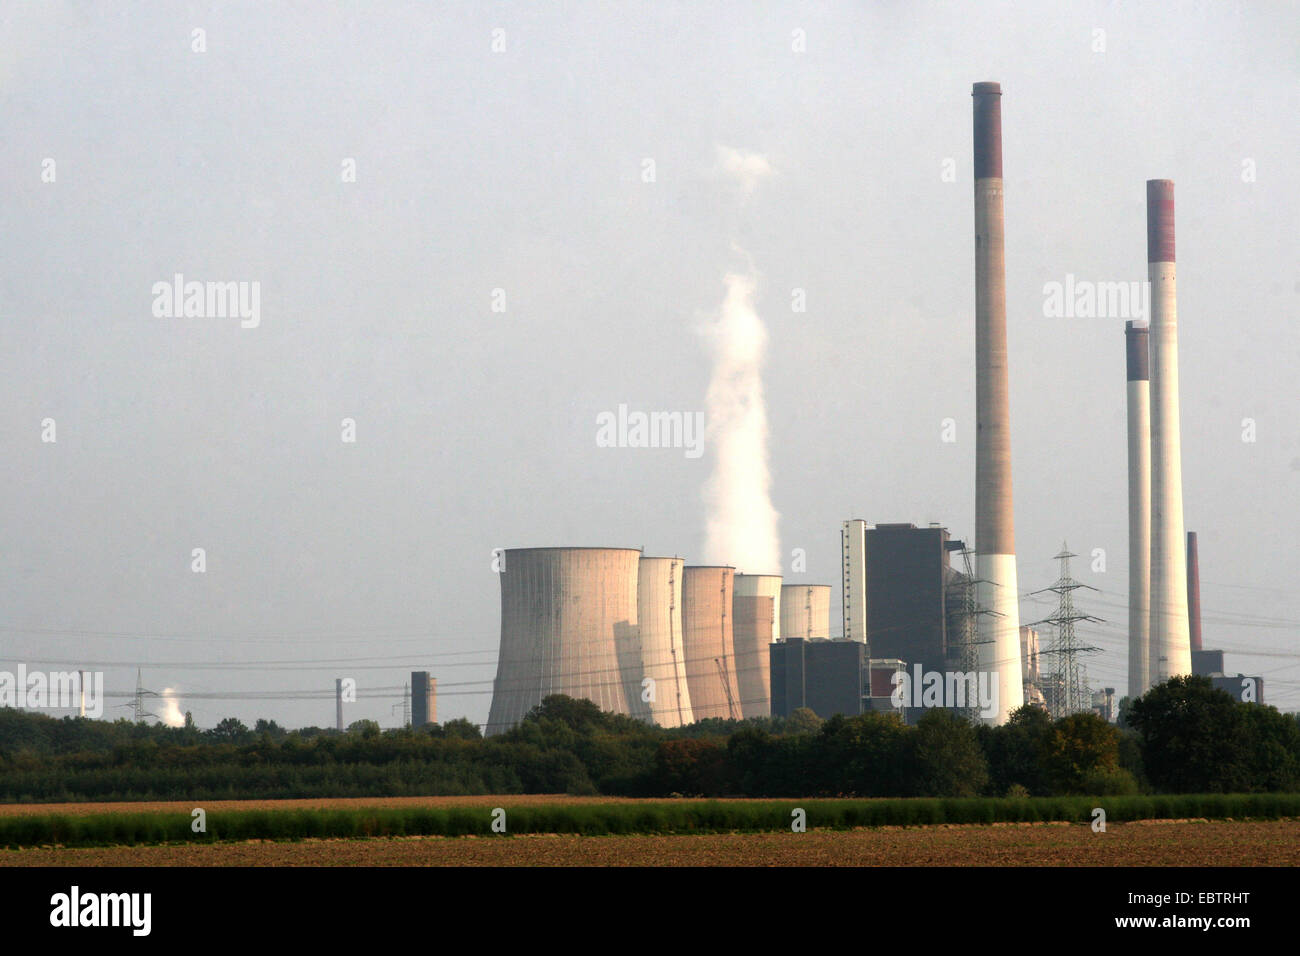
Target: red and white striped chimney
x,y
1170,640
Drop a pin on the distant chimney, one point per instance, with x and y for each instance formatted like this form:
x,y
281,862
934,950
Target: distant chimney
x,y
1193,593
1136,337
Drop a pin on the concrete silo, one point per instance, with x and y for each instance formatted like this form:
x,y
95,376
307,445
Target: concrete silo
x,y
663,652
707,637
756,625
805,611
564,614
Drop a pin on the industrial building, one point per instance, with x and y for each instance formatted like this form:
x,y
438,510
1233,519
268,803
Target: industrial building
x,y
565,612
673,644
1031,673
910,589
707,594
825,676
662,648
1207,662
853,550
643,636
1103,704
833,676
805,611
424,699
756,623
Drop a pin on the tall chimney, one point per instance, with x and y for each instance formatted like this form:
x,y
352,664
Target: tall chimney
x,y
995,549
1136,340
1193,593
1170,641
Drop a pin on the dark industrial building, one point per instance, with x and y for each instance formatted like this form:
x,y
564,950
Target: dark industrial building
x,y
914,615
424,699
913,595
1247,690
1207,663
1241,687
825,676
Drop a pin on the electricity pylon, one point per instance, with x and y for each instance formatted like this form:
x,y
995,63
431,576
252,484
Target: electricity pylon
x,y
1069,686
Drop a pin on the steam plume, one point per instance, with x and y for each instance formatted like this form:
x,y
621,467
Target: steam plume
x,y
742,524
171,708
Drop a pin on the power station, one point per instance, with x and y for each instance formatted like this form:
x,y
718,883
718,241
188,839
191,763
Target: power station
x,y
672,643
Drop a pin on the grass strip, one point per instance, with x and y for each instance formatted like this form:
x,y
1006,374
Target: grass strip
x,y
678,817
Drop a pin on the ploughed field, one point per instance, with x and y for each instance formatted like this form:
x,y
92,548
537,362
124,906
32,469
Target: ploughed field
x,y
1155,843
1244,830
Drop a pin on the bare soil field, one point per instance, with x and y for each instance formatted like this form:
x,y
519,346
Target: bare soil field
x,y
1164,843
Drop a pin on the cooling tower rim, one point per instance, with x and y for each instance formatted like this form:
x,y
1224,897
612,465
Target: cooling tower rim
x,y
583,548
807,585
765,574
662,557
710,567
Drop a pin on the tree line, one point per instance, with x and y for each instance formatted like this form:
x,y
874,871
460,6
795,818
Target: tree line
x,y
1181,737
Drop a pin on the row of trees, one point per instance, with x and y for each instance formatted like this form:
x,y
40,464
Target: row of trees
x,y
1183,736
29,732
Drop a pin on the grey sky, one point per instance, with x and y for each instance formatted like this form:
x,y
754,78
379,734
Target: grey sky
x,y
522,170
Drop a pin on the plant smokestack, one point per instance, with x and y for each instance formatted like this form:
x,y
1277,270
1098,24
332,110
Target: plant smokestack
x,y
1136,337
995,550
1170,638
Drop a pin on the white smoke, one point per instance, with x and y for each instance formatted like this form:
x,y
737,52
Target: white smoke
x,y
742,524
747,169
171,708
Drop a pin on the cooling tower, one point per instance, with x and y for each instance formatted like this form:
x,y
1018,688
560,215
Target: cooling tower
x,y
995,550
752,617
1170,640
707,637
805,611
564,614
1193,594
1139,509
753,659
763,585
663,654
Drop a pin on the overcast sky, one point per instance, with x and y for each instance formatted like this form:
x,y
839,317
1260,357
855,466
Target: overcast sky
x,y
523,169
